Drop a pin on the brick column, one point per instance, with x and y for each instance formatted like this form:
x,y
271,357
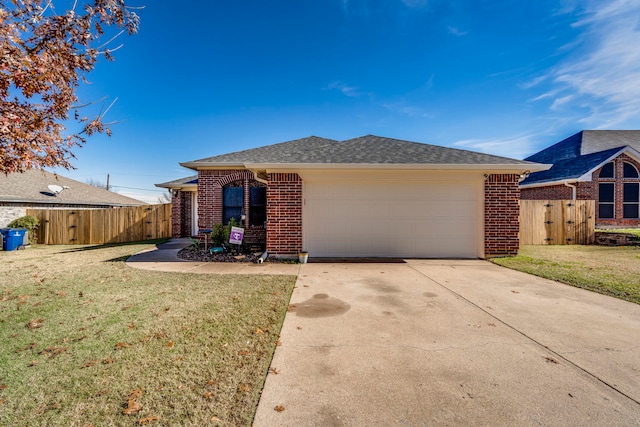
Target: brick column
x,y
177,213
284,214
501,215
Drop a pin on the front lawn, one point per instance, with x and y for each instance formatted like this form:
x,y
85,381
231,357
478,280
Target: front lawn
x,y
613,271
89,341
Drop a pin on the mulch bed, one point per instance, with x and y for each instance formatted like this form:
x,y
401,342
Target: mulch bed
x,y
199,254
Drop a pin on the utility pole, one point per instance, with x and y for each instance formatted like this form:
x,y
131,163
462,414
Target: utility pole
x,y
107,182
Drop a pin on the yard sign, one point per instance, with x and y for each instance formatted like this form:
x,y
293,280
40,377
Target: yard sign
x,y
237,233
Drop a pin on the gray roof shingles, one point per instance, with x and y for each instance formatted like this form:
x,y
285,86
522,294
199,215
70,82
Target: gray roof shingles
x,y
368,149
32,187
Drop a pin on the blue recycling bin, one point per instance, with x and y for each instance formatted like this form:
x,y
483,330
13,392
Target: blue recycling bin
x,y
12,238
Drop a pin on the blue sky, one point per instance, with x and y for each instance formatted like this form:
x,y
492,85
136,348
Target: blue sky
x,y
505,77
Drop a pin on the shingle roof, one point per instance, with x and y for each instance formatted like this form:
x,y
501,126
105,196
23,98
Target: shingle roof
x,y
571,168
600,140
578,154
32,187
189,180
368,149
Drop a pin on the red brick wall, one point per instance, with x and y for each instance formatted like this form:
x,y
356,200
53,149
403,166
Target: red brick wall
x,y
584,191
181,213
210,183
501,215
177,214
284,214
550,192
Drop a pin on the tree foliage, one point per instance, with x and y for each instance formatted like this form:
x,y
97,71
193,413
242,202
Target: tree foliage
x,y
44,55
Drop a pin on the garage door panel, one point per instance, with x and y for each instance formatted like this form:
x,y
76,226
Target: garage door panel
x,y
417,219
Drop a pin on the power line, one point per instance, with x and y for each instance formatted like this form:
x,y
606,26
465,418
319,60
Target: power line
x,y
133,188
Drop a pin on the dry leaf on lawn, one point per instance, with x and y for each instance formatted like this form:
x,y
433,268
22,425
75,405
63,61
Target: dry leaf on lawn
x,y
147,420
35,324
133,406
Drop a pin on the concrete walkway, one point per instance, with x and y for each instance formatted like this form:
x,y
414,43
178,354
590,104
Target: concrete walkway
x,y
165,258
436,342
451,343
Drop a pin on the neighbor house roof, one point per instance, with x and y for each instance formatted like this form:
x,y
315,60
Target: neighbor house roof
x,y
370,150
33,187
577,156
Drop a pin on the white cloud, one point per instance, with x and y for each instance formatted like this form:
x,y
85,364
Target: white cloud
x,y
515,147
406,110
350,91
603,75
456,31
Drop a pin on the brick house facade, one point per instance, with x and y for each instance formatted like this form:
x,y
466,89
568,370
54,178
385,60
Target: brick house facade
x,y
283,232
590,190
364,197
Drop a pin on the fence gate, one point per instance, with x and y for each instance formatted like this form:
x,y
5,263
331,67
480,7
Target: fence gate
x,y
98,226
557,222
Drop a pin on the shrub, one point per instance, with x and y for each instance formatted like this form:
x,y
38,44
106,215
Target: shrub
x,y
30,223
220,233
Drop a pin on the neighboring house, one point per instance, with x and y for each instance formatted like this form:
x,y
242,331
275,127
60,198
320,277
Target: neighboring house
x,y
19,191
363,197
600,165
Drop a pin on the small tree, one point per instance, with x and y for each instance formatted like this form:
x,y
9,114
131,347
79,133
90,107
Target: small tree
x,y
96,183
44,55
30,223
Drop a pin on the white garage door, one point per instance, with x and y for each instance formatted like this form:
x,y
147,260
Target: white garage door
x,y
391,219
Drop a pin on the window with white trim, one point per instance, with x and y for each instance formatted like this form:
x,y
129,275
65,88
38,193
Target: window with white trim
x,y
606,198
607,171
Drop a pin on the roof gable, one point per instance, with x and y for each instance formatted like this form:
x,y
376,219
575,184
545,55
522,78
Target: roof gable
x,y
32,187
572,169
365,150
600,140
568,148
581,153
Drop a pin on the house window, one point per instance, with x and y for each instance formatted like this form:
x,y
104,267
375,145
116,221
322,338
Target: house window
x,y
607,171
630,171
258,205
605,200
631,200
232,204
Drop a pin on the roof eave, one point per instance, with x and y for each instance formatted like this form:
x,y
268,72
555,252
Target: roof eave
x,y
507,167
554,182
70,202
212,166
177,186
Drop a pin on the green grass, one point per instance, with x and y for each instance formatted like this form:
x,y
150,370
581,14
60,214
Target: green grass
x,y
613,271
81,332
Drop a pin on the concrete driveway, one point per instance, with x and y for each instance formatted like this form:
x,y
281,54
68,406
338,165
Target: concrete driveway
x,y
451,343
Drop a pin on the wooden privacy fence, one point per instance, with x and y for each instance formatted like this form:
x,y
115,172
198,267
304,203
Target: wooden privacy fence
x,y
98,226
557,222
